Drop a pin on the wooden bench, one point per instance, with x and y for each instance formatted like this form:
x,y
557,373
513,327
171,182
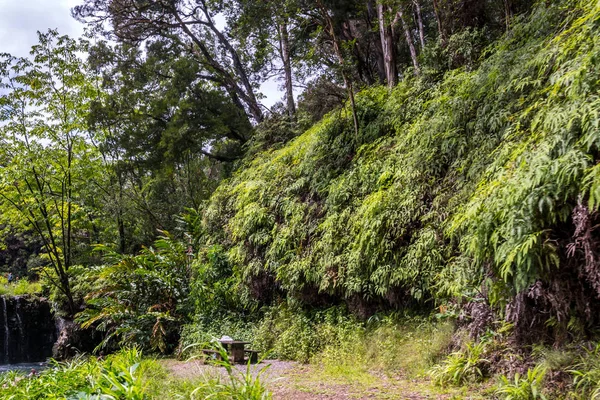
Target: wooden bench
x,y
252,355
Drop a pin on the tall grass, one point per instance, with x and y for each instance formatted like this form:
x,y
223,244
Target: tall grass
x,y
390,347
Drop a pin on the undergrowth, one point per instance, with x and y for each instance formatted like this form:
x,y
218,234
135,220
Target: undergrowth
x,y
20,287
126,376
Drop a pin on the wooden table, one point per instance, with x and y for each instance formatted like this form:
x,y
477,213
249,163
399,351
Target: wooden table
x,y
235,348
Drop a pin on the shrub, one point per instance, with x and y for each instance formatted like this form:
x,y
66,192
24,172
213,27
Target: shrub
x,y
141,299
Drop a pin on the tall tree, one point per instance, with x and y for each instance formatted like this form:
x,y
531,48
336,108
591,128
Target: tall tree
x,y
409,41
337,46
192,25
162,133
419,15
47,159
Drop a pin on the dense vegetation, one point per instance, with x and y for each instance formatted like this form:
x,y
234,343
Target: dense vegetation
x,y
454,203
478,187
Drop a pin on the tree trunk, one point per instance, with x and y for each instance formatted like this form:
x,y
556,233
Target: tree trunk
x,y
507,13
338,51
409,42
436,11
388,46
372,15
245,94
420,23
284,41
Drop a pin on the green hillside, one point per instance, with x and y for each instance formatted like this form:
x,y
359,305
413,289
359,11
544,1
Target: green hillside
x,y
481,185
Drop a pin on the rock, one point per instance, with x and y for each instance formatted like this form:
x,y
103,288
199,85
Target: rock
x,y
73,339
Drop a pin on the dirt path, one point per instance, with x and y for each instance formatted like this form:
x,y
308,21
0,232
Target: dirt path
x,y
290,380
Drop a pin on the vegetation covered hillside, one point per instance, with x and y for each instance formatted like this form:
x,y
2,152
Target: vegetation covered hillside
x,y
479,188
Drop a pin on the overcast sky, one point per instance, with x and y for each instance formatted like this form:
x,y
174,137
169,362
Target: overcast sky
x,y
21,19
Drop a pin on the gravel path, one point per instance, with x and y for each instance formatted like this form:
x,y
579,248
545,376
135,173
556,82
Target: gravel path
x,y
290,380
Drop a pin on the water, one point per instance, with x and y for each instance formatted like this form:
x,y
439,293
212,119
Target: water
x,y
6,331
27,332
26,367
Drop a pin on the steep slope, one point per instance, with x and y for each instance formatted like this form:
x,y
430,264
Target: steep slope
x,y
482,185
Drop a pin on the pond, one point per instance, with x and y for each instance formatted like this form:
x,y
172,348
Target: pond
x,y
26,367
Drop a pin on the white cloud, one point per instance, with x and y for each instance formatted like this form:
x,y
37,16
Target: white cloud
x,y
21,19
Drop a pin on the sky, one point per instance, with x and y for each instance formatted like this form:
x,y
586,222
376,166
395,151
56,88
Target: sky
x,y
21,19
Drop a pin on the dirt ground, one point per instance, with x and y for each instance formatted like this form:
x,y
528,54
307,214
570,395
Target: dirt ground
x,y
291,380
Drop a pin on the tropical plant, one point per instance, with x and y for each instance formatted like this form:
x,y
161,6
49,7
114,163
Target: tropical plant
x,y
47,160
140,299
586,374
463,366
526,387
239,385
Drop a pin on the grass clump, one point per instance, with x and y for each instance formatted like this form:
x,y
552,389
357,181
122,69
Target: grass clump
x,y
586,375
391,346
463,366
523,387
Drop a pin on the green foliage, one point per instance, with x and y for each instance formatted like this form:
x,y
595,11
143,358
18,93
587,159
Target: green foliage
x,y
449,185
463,366
290,334
21,287
127,376
117,377
389,345
527,387
586,374
207,330
47,159
215,289
140,299
239,385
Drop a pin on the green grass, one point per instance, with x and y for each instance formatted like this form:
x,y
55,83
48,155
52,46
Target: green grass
x,y
390,347
126,376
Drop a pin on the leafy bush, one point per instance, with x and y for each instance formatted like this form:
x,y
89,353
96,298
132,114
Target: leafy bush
x,y
291,334
21,287
463,366
528,387
142,299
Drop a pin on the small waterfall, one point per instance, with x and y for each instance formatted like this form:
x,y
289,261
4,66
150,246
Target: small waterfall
x,y
22,343
6,332
28,332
